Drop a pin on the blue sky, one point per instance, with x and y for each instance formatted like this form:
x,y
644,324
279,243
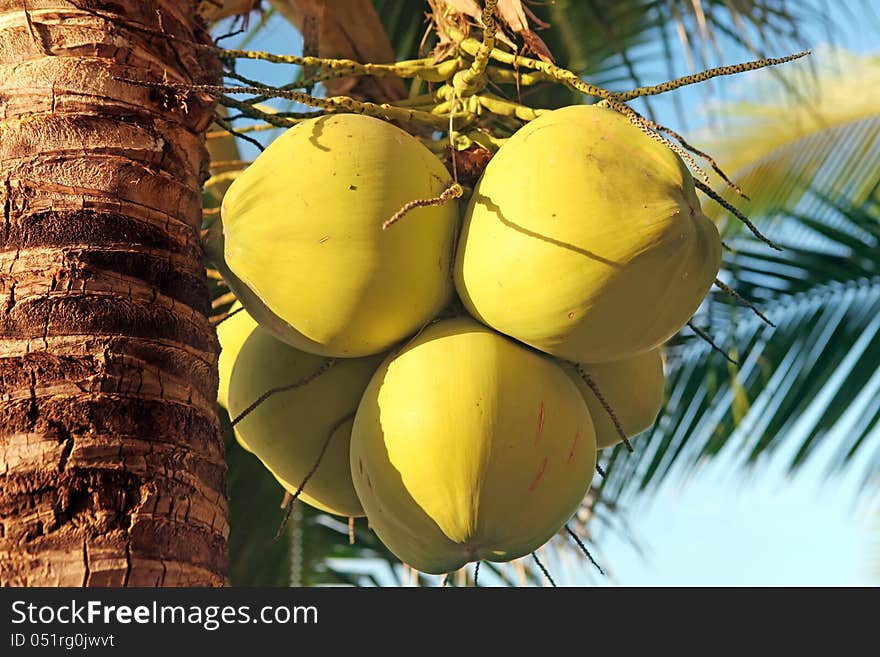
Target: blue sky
x,y
721,526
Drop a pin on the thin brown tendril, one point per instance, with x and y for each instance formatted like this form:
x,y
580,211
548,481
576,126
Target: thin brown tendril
x,y
604,402
707,338
453,191
715,166
311,472
222,318
644,125
543,569
748,304
711,193
237,133
326,365
584,549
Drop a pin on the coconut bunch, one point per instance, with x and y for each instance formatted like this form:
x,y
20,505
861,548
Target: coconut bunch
x,y
451,369
449,304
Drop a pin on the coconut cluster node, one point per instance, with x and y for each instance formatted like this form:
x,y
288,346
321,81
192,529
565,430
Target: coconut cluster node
x,y
581,250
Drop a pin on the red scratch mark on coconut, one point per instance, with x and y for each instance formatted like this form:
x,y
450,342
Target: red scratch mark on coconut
x,y
540,423
573,447
539,475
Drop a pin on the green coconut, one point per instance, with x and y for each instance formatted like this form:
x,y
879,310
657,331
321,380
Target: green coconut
x,y
289,430
232,333
585,239
633,388
305,245
469,446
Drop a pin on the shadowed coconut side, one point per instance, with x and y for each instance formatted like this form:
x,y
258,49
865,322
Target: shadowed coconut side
x,y
288,431
469,446
633,388
303,233
231,332
585,239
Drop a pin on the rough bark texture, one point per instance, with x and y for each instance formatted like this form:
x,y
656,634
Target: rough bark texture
x,y
111,461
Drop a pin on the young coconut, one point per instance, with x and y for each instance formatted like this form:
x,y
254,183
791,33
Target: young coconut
x,y
231,332
303,234
303,429
584,238
633,388
468,446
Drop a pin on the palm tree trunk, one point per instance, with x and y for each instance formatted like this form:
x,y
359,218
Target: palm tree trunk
x,y
111,462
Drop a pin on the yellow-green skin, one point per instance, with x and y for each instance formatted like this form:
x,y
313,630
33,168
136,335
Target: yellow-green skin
x,y
584,238
469,446
634,389
288,430
231,332
303,231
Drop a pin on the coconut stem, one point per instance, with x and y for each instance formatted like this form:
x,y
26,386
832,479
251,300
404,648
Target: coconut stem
x,y
475,104
425,69
471,80
471,46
